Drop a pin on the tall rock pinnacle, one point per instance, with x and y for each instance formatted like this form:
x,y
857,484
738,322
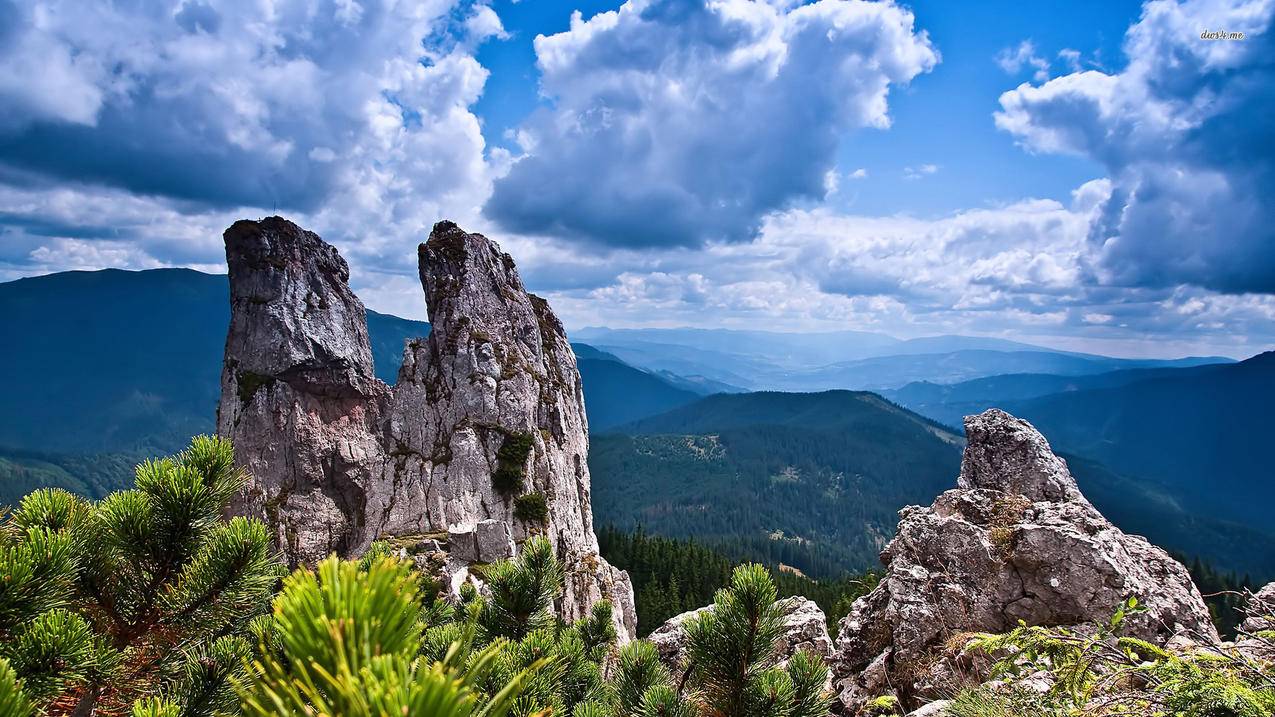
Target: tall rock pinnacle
x,y
481,444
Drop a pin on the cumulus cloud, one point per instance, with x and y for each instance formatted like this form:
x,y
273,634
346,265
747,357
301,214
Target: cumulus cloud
x,y
1017,271
177,117
1184,133
676,122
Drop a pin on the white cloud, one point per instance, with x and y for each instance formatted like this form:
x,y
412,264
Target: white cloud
x,y
1184,131
1070,58
920,171
166,121
1013,59
859,173
676,122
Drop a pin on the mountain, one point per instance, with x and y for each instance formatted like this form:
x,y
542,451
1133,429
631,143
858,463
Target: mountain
x,y
110,361
1198,432
617,393
884,372
949,402
767,360
814,480
108,367
1203,435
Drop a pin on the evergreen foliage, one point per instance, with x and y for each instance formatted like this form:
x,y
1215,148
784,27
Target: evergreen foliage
x,y
1223,592
671,576
814,481
142,593
730,668
531,507
347,645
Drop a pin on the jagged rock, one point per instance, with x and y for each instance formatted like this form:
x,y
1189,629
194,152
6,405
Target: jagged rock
x,y
1015,541
669,639
338,458
805,629
462,543
1260,611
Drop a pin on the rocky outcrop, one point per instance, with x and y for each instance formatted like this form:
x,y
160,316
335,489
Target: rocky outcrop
x,y
1014,541
481,443
805,629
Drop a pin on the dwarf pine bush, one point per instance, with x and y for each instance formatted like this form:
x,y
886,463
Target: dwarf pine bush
x,y
149,603
145,592
730,667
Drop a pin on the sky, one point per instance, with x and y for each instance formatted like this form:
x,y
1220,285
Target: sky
x,y
1086,175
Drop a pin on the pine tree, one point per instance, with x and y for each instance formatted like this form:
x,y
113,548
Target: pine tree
x,y
145,591
345,644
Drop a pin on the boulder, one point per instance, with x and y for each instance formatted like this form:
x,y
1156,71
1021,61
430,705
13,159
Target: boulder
x,y
1014,541
487,408
495,540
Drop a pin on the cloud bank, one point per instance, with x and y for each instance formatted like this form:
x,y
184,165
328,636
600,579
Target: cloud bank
x,y
675,173
1184,132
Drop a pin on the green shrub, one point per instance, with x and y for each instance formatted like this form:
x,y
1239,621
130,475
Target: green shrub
x,y
511,461
146,591
1094,668
532,508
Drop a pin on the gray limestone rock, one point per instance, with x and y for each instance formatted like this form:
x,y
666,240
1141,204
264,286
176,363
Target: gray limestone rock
x,y
1015,541
339,459
495,541
1260,610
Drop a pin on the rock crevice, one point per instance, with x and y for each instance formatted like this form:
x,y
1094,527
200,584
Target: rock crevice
x,y
339,459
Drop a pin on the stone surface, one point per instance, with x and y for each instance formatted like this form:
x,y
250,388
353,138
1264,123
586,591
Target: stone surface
x,y
1015,541
937,708
339,459
805,628
1260,609
495,541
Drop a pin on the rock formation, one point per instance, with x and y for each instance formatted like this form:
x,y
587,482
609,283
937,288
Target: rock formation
x,y
481,444
805,629
1014,541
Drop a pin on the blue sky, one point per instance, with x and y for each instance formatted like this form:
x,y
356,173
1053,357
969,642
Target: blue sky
x,y
1087,175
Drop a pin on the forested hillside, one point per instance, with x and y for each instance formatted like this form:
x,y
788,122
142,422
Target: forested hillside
x,y
810,480
671,576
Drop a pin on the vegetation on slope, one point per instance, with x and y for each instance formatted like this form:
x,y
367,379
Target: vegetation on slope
x,y
672,576
813,481
1093,671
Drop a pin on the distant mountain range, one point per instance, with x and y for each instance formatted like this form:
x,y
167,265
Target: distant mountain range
x,y
1200,432
127,360
762,360
815,480
107,367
